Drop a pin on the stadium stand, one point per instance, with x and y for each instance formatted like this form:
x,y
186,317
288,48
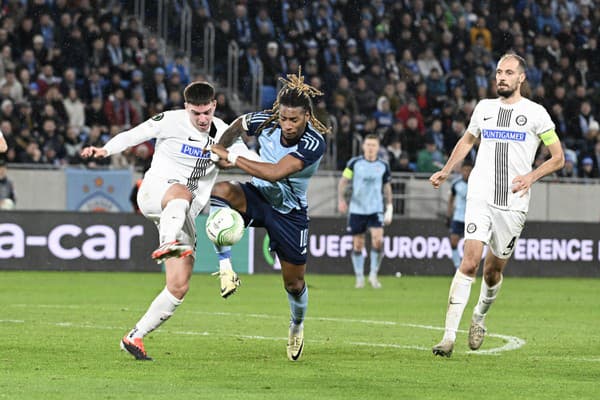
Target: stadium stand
x,y
410,71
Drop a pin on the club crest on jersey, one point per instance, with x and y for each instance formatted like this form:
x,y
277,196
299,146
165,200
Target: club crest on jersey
x,y
195,151
521,120
503,135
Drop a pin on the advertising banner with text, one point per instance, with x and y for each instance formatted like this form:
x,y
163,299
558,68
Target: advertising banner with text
x,y
422,247
76,241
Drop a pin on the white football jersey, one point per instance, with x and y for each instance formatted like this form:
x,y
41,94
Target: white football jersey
x,y
509,140
181,152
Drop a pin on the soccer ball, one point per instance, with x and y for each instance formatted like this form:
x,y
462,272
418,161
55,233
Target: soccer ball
x,y
225,227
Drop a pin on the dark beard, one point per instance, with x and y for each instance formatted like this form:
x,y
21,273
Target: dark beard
x,y
506,93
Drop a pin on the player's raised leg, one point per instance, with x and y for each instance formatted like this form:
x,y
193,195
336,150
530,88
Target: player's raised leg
x,y
226,194
460,289
178,274
175,205
293,278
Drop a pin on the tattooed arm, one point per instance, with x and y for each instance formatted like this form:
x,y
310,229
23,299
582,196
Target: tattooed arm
x,y
234,131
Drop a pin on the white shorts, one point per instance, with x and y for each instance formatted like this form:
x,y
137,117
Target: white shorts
x,y
149,198
499,229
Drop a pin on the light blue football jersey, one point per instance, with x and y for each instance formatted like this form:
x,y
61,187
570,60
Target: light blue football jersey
x,y
459,190
368,178
290,192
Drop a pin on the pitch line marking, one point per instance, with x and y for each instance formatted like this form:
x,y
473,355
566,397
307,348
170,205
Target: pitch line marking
x,y
511,342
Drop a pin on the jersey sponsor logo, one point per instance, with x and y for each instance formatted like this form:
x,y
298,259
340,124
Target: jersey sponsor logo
x,y
191,139
195,151
158,117
486,118
521,120
503,135
471,228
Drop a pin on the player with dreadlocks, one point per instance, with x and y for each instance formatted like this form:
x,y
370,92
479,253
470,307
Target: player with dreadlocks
x,y
291,148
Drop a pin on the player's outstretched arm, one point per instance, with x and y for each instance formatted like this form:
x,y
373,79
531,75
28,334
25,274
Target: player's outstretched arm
x,y
95,152
263,170
462,148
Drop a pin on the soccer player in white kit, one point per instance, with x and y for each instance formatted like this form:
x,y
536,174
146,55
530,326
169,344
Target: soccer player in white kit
x,y
511,128
3,144
174,190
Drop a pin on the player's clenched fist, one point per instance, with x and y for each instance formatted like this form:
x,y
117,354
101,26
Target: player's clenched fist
x,y
438,178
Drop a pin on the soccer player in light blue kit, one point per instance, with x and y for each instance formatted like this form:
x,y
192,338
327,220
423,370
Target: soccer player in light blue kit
x,y
370,177
291,148
457,204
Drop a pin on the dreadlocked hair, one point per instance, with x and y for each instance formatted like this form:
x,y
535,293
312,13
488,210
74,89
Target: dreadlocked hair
x,y
295,93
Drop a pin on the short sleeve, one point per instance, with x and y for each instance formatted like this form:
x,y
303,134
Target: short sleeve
x,y
545,123
311,148
252,121
474,126
387,175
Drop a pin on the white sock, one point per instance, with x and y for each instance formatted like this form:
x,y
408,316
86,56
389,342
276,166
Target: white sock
x,y
160,310
460,289
172,219
225,264
487,296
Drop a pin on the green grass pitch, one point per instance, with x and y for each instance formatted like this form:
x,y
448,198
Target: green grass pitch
x,y
59,336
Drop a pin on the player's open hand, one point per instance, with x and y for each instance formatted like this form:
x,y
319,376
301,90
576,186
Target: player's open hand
x,y
95,152
438,178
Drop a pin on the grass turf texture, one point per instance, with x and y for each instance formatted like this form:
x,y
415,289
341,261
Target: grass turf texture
x,y
59,336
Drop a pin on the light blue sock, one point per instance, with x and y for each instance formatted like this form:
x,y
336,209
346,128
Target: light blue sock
x,y
376,257
455,258
298,305
223,252
358,262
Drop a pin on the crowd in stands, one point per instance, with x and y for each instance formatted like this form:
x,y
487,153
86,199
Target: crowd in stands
x,y
410,71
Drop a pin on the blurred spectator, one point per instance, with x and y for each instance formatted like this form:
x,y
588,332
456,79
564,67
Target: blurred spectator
x,y
180,65
119,111
587,168
344,137
10,85
430,159
223,109
569,170
75,109
383,115
7,191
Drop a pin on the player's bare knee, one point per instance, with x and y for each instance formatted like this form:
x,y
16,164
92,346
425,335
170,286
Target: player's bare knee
x,y
469,266
177,191
377,244
221,190
294,287
178,289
